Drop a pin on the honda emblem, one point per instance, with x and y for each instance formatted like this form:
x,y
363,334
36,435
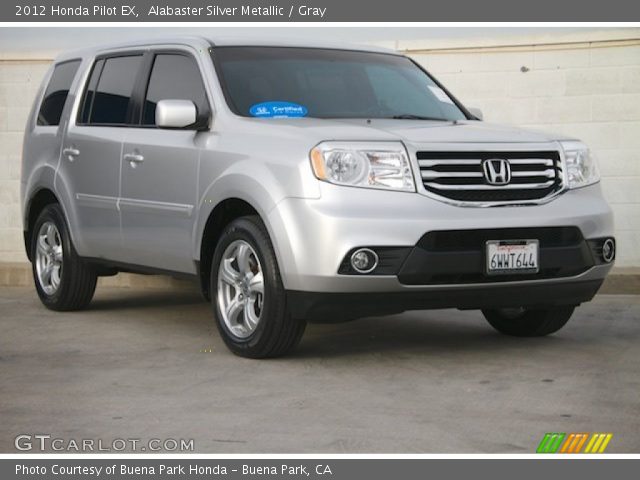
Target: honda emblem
x,y
497,171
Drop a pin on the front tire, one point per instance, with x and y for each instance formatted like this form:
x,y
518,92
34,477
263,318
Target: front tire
x,y
248,298
521,322
64,282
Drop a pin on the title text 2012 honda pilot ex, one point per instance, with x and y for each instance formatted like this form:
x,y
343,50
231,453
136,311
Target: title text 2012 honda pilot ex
x,y
303,183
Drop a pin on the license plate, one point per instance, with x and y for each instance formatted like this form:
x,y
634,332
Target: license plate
x,y
512,256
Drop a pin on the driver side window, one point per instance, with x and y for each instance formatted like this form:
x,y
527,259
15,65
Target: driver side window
x,y
173,77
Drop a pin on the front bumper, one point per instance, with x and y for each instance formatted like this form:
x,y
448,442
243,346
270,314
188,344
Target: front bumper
x,y
312,236
338,307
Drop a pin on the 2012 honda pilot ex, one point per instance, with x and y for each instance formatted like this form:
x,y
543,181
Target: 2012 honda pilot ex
x,y
303,183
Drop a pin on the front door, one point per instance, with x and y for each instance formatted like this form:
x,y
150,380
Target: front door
x,y
160,171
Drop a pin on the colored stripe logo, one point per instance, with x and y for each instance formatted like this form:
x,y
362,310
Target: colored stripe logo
x,y
598,443
550,443
574,443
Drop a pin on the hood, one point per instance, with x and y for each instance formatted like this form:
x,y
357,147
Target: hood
x,y
409,131
416,131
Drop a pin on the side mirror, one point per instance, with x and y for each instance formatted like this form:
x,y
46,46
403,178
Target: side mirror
x,y
176,113
476,112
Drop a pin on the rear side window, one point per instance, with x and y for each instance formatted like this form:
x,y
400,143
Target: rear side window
x,y
57,92
89,94
109,90
173,77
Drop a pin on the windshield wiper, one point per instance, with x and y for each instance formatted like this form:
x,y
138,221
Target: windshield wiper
x,y
409,116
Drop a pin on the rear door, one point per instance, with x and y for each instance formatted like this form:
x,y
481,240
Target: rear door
x,y
92,149
160,168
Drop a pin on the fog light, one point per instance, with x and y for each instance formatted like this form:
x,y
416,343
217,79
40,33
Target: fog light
x,y
609,250
364,260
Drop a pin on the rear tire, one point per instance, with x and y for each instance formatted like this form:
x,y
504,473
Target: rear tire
x,y
529,322
247,295
64,282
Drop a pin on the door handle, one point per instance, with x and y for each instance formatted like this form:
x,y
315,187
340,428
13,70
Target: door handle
x,y
71,153
133,158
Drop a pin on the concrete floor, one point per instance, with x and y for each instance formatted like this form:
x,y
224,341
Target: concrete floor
x,y
150,364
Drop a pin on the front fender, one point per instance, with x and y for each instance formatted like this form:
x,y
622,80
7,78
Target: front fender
x,y
238,186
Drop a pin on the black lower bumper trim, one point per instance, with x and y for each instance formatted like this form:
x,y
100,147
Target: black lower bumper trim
x,y
321,307
459,256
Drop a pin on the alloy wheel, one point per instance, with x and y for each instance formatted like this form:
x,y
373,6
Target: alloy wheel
x,y
49,256
240,288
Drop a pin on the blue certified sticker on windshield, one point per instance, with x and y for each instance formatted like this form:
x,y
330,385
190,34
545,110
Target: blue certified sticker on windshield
x,y
278,110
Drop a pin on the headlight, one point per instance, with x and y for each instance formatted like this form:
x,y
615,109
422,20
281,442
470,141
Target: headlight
x,y
371,165
582,169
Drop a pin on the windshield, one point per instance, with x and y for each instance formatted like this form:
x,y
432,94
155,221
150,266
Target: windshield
x,y
322,83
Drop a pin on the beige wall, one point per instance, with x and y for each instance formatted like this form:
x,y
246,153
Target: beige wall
x,y
585,85
19,81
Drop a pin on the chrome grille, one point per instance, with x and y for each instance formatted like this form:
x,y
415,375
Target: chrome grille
x,y
459,176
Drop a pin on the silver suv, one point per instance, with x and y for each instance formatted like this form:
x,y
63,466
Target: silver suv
x,y
302,183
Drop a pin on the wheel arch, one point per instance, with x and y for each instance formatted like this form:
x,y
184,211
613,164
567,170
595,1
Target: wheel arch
x,y
43,187
37,202
219,217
